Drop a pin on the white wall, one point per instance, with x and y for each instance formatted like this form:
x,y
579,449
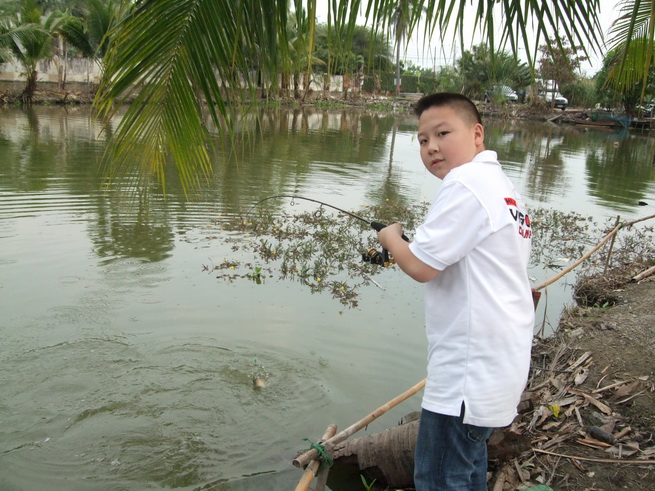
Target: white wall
x,y
72,70
85,70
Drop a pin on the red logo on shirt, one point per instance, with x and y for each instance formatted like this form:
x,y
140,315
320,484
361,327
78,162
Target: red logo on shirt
x,y
523,220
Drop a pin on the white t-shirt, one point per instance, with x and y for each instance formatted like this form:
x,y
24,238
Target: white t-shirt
x,y
479,309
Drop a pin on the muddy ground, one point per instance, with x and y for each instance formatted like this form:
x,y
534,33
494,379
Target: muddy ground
x,y
589,415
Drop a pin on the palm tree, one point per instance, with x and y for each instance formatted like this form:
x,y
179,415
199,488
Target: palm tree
x,y
399,18
99,18
8,11
28,35
632,37
166,52
480,70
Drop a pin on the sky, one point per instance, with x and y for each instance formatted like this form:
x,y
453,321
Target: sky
x,y
434,54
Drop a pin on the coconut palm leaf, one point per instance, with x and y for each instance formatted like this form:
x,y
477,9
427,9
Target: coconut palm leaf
x,y
632,36
168,55
74,31
175,58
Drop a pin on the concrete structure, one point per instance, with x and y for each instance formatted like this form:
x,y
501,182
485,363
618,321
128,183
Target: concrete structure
x,y
76,71
56,70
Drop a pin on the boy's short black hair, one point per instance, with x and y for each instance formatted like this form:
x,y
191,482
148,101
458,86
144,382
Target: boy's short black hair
x,y
460,102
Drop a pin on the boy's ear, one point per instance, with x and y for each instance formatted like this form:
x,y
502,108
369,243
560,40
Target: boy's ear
x,y
478,131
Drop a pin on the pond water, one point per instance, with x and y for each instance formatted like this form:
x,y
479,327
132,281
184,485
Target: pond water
x,y
127,364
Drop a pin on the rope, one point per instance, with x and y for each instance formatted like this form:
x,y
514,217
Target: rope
x,y
321,452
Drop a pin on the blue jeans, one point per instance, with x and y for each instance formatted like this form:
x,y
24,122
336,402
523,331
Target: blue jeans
x,y
450,455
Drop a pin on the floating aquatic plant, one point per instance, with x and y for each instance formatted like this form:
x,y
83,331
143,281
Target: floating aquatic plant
x,y
323,250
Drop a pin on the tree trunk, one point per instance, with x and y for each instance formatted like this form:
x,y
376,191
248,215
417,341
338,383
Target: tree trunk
x,y
397,66
387,457
30,86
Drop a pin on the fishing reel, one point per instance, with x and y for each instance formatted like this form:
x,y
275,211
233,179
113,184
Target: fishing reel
x,y
374,256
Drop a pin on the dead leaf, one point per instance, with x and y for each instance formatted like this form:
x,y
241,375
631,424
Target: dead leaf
x,y
626,390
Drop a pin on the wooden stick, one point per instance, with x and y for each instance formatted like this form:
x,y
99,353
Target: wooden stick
x,y
303,459
315,464
609,252
644,274
579,261
591,459
629,224
588,254
321,478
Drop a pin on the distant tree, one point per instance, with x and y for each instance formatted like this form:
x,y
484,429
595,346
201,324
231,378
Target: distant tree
x,y
99,16
449,80
581,93
480,69
410,68
561,64
367,47
610,95
29,38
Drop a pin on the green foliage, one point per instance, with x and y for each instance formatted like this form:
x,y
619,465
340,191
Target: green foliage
x,y
581,93
560,63
368,48
189,57
321,250
480,69
632,39
425,82
27,33
367,485
99,17
612,95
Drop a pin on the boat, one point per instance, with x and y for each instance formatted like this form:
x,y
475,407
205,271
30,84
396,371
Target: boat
x,y
607,123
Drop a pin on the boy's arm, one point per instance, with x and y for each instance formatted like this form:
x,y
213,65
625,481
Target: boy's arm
x,y
391,239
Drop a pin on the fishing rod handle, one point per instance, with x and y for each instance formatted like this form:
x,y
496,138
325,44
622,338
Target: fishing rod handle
x,y
377,226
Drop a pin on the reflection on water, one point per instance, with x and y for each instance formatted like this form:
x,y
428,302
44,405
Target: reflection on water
x,y
127,365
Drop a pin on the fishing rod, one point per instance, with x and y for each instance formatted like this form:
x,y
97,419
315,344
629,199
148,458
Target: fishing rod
x,y
372,255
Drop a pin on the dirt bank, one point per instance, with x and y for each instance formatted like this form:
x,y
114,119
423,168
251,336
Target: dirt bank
x,y
589,420
48,94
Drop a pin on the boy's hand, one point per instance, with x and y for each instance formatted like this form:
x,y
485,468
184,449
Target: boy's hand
x,y
388,233
391,239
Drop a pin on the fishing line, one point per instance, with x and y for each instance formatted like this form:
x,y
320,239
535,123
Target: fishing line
x,y
292,198
377,226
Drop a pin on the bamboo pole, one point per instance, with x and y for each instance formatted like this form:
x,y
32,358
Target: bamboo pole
x,y
303,459
594,459
566,271
588,254
644,274
321,478
312,469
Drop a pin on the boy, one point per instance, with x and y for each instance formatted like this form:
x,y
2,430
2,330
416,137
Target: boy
x,y
472,253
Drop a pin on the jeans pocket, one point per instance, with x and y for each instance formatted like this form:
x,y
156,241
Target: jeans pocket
x,y
476,433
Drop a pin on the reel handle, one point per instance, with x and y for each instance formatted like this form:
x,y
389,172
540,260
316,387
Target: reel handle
x,y
377,226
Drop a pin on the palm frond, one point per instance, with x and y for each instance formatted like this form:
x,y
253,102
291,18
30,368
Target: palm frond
x,y
73,30
177,57
632,38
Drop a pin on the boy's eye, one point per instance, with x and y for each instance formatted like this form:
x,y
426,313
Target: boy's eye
x,y
422,141
443,133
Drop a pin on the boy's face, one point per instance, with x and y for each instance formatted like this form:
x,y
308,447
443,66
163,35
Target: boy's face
x,y
447,140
